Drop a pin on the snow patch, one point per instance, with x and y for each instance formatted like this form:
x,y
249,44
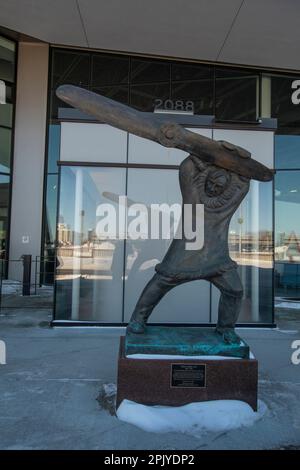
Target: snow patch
x,y
290,305
175,357
194,418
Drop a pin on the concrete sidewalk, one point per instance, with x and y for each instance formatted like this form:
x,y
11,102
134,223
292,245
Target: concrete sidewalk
x,y
52,378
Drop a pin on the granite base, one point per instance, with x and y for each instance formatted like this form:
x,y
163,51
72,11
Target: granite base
x,y
177,382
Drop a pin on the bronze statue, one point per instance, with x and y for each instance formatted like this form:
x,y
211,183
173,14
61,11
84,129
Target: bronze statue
x,y
215,174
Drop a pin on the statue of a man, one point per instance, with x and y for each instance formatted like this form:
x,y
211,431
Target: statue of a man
x,y
215,174
221,192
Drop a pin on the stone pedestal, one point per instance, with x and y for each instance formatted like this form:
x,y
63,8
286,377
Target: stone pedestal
x,y
176,382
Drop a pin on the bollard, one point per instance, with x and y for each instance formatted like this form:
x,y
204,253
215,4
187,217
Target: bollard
x,y
26,274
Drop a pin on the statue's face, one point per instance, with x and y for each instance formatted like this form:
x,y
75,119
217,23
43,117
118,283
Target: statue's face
x,y
216,183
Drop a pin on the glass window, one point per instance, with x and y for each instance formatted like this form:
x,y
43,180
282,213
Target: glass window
x,y
284,102
149,71
145,97
48,262
7,60
5,149
109,70
118,92
70,68
89,276
198,93
4,210
92,142
142,255
287,151
287,233
236,95
53,147
6,109
57,106
182,72
251,246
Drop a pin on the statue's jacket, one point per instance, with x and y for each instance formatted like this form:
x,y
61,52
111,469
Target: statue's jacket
x,y
197,183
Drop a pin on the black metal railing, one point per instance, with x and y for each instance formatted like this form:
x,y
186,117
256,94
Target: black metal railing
x,y
22,282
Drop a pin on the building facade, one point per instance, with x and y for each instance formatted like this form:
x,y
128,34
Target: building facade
x,y
58,165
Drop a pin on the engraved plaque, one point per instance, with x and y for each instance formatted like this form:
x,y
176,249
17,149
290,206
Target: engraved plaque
x,y
188,375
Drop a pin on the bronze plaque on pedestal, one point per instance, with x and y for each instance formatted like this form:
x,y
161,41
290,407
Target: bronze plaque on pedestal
x,y
188,375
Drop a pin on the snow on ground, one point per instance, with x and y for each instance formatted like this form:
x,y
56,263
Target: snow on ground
x,y
11,287
194,418
282,302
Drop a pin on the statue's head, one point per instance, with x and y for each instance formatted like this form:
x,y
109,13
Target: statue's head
x,y
217,182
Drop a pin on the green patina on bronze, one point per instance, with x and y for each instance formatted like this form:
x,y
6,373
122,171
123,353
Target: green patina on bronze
x,y
184,341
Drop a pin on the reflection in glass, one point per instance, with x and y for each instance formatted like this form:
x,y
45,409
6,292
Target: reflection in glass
x,y
282,107
4,208
199,92
118,93
181,71
251,246
57,105
287,151
143,97
236,95
5,149
70,67
287,234
53,147
48,263
89,276
6,110
147,71
109,70
7,60
186,303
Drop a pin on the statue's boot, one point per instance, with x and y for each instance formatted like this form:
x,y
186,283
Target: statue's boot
x,y
138,322
153,292
229,335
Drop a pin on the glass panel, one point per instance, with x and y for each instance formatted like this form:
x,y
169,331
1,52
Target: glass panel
x,y
53,147
199,93
89,277
58,105
5,149
48,266
144,151
147,71
145,97
118,93
182,71
70,67
91,142
109,70
284,102
4,207
7,60
236,95
259,143
287,151
186,303
6,110
251,246
287,234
